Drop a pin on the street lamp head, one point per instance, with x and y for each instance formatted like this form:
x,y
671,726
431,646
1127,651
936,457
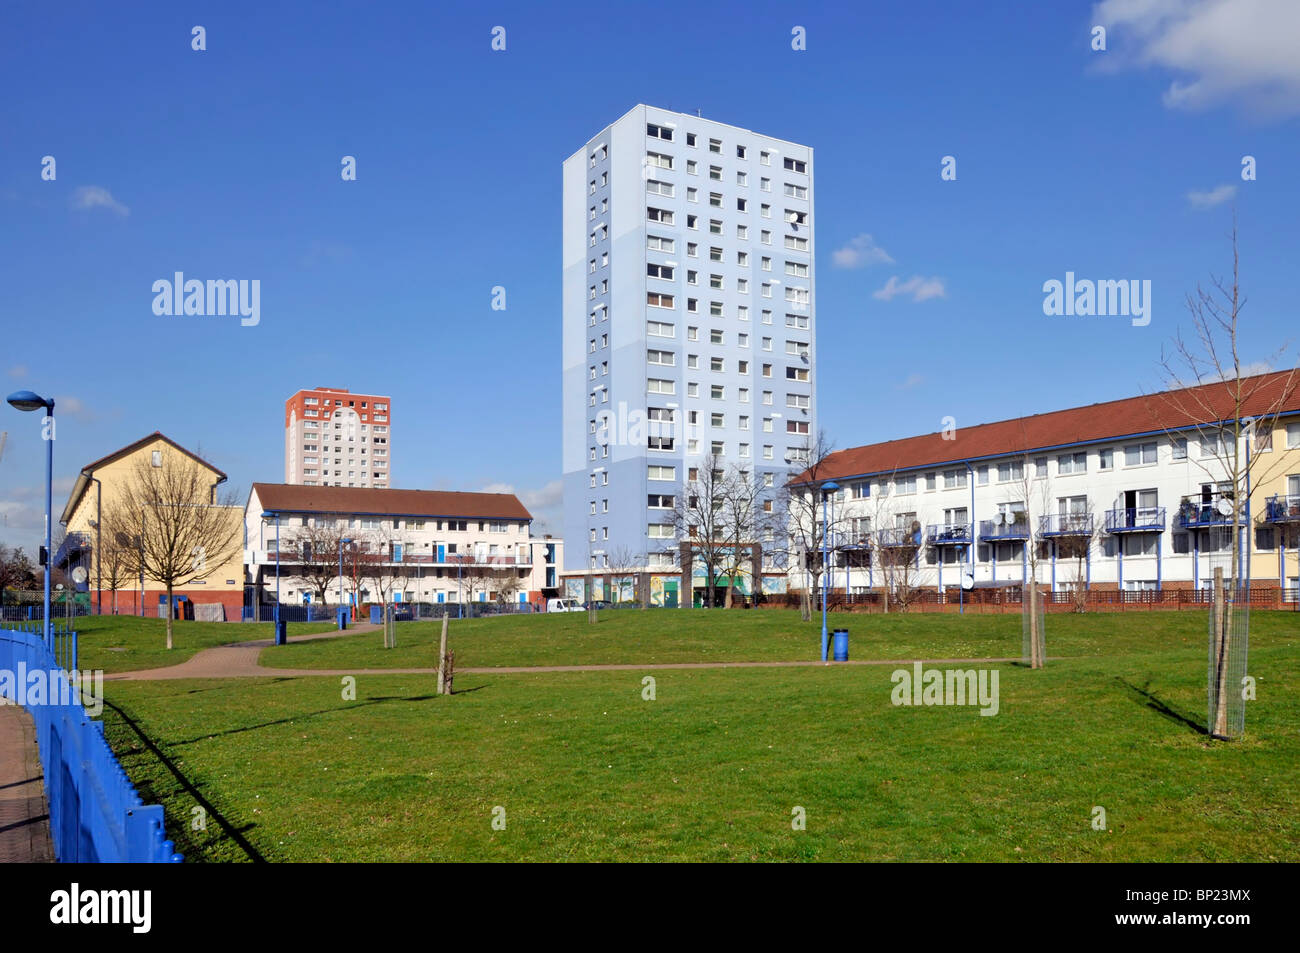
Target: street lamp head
x,y
28,401
830,486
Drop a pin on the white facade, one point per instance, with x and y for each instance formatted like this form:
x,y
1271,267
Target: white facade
x,y
417,557
689,322
1149,509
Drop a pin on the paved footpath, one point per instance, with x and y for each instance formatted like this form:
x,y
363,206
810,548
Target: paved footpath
x,y
24,816
239,660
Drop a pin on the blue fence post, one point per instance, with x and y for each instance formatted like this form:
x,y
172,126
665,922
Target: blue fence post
x,y
95,813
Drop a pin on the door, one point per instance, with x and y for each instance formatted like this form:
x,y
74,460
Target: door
x,y
442,552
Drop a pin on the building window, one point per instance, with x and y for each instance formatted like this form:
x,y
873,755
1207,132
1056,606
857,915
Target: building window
x,y
1072,463
1139,454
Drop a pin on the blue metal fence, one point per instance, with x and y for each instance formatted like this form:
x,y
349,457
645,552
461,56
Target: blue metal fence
x,y
96,816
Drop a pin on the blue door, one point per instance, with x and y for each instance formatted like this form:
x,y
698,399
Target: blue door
x,y
442,553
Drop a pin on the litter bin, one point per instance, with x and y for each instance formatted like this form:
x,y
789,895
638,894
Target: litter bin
x,y
840,641
343,617
282,632
376,615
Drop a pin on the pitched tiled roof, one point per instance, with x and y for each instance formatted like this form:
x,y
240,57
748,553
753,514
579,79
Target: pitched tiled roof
x,y
1113,420
88,471
295,498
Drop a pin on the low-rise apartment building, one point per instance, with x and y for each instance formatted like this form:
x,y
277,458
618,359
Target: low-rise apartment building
x,y
104,539
358,545
1133,494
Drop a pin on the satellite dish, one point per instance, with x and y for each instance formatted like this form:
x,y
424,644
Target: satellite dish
x,y
998,518
1224,507
967,581
79,575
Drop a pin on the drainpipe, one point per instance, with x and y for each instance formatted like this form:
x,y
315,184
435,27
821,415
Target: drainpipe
x,y
970,549
99,561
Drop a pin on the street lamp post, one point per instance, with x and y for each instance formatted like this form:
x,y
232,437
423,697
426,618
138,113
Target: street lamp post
x,y
277,574
342,540
828,488
25,400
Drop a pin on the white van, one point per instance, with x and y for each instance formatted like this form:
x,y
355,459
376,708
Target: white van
x,y
563,605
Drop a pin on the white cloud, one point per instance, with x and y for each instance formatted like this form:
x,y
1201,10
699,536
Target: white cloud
x,y
921,289
18,371
96,196
1223,50
859,252
65,406
1215,196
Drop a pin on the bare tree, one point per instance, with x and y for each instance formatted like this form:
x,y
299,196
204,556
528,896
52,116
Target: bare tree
x,y
116,562
475,574
898,555
386,571
318,549
182,531
741,522
698,520
801,501
506,582
1082,533
624,562
1210,392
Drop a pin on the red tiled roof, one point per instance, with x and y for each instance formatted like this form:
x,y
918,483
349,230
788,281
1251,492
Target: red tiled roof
x,y
1113,420
295,498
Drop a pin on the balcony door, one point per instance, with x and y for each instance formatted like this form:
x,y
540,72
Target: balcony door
x,y
1140,507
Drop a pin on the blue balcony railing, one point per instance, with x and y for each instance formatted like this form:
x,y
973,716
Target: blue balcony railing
x,y
1283,508
1140,519
1194,515
1011,527
1066,524
948,534
895,536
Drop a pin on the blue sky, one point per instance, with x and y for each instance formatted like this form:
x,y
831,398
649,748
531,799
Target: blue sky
x,y
1122,164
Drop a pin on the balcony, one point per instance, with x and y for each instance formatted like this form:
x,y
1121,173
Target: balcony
x,y
1282,509
1066,524
449,560
1141,519
73,544
898,537
1009,528
1198,515
948,534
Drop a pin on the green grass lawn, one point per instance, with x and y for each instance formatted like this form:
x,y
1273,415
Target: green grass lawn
x,y
712,768
125,643
702,635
